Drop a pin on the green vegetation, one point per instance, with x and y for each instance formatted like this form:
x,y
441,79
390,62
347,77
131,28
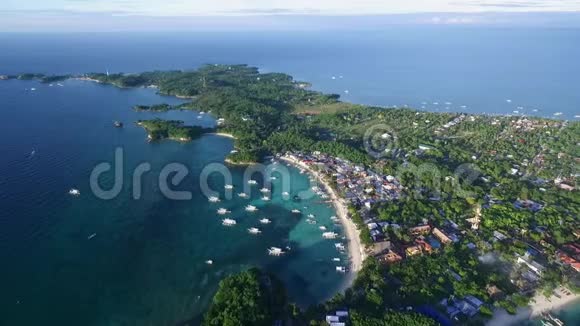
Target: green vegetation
x,y
247,298
452,167
171,129
153,108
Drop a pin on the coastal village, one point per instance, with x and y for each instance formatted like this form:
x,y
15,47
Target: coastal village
x,y
362,188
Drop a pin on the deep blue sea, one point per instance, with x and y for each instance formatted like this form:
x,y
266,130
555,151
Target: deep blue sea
x,y
144,263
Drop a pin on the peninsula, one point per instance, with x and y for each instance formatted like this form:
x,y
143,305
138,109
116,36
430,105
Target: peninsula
x,y
457,215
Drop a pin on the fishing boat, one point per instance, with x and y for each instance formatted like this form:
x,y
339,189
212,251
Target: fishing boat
x,y
213,199
341,269
243,195
296,211
330,235
265,221
251,208
229,187
254,231
74,192
223,211
274,251
229,222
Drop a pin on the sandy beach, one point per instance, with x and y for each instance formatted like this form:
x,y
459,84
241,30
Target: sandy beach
x,y
538,305
355,248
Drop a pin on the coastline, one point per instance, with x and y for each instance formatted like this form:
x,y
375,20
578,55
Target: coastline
x,y
222,134
355,249
539,305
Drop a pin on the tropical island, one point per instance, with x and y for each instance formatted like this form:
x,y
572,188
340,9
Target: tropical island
x,y
459,215
158,129
153,108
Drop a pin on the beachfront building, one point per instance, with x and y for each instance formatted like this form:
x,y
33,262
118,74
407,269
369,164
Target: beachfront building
x,y
441,236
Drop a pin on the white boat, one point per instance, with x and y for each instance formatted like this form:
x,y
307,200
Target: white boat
x,y
251,208
265,221
252,182
91,236
223,211
254,231
265,198
310,216
334,218
274,251
315,189
558,113
309,221
339,246
296,211
209,262
74,192
264,190
33,89
243,195
229,222
341,269
285,193
229,187
213,199
509,101
336,259
329,235
322,228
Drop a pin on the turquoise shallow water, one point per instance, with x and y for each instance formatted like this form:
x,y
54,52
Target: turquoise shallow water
x,y
145,263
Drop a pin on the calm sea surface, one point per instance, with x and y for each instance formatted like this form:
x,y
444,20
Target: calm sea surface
x,y
145,263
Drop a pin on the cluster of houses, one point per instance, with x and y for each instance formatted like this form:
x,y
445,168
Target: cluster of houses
x,y
452,123
525,124
422,239
361,186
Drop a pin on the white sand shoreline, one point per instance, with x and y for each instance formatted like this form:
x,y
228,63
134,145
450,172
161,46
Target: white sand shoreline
x,y
539,305
355,249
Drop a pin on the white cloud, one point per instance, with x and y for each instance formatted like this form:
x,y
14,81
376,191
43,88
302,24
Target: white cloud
x,y
285,7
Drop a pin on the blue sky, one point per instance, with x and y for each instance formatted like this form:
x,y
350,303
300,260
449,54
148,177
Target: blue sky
x,y
88,15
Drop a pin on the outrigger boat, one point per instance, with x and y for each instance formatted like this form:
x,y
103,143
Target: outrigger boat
x,y
251,208
229,222
223,211
329,235
274,251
